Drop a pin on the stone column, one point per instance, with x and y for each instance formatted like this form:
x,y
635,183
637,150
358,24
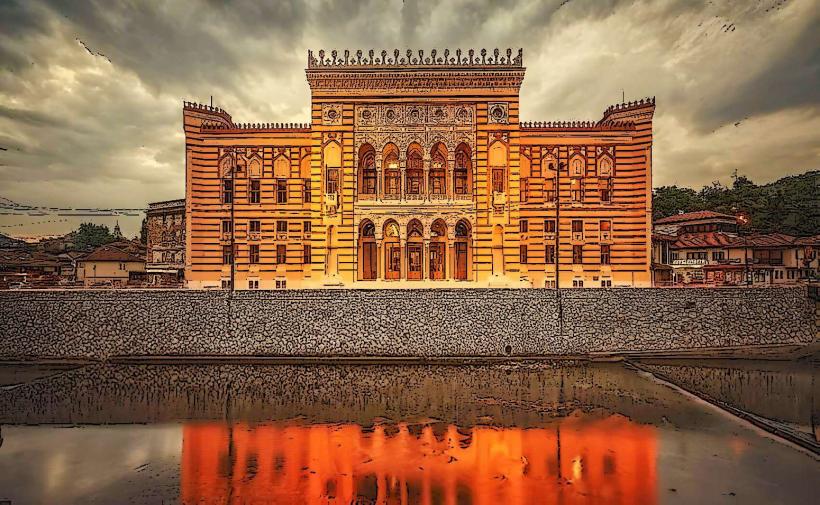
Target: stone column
x,y
403,178
426,164
379,260
450,260
449,174
403,265
379,188
425,260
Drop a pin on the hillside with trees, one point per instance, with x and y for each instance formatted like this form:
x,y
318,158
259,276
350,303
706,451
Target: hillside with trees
x,y
789,205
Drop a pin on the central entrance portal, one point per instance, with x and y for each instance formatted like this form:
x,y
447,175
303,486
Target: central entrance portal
x,y
393,262
414,262
437,261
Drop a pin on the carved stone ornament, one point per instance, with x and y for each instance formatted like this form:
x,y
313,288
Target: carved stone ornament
x,y
424,124
331,114
498,113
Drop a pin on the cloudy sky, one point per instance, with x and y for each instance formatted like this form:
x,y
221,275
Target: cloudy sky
x,y
91,92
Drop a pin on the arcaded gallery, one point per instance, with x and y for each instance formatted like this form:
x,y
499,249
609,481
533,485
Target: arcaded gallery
x,y
415,170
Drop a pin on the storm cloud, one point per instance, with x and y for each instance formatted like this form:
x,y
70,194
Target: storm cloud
x,y
91,92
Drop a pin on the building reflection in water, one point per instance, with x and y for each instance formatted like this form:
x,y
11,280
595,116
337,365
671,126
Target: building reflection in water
x,y
574,460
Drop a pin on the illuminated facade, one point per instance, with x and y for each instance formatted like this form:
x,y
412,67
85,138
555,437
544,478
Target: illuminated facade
x,y
415,171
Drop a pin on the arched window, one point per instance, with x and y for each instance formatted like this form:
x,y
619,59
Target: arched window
x,y
462,230
304,173
415,248
392,251
281,167
576,166
549,168
392,175
391,229
438,169
438,250
498,166
255,167
367,251
462,251
605,166
333,163
415,170
226,172
463,171
367,170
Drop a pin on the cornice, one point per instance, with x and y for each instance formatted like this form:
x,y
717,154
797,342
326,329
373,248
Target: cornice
x,y
397,81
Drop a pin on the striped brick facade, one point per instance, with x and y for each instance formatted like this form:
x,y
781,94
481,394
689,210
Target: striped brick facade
x,y
417,171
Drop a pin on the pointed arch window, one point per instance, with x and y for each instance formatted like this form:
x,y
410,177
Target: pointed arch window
x,y
415,171
438,170
462,171
392,175
367,170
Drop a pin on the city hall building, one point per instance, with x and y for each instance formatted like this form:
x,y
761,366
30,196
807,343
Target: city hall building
x,y
416,171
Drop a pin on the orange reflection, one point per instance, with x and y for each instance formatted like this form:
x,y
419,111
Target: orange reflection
x,y
575,461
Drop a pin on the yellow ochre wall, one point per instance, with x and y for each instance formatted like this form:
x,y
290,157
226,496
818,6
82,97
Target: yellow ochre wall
x,y
340,92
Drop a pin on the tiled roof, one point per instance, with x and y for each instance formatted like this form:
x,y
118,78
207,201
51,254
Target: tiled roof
x,y
664,237
109,253
703,239
693,216
813,240
768,240
720,239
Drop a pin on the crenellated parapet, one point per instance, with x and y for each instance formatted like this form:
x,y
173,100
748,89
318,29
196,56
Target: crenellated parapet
x,y
207,109
210,125
410,58
637,110
577,125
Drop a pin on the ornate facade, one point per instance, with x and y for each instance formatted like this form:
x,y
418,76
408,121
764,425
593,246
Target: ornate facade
x,y
417,168
165,255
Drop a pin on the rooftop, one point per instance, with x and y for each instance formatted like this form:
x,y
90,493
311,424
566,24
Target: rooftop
x,y
109,253
704,239
694,216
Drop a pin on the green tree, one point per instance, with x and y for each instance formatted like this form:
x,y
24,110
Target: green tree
x,y
90,235
670,200
790,205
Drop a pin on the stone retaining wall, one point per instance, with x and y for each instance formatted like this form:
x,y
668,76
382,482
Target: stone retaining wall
x,y
424,323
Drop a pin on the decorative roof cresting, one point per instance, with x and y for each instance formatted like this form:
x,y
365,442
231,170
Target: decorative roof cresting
x,y
410,58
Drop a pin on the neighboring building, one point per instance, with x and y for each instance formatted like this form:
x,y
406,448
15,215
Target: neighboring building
x,y
704,248
417,168
700,221
110,266
166,242
7,242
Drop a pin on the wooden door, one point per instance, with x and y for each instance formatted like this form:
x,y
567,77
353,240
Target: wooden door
x,y
393,262
461,261
437,261
414,262
369,261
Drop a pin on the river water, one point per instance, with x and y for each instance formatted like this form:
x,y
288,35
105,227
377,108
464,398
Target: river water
x,y
564,433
